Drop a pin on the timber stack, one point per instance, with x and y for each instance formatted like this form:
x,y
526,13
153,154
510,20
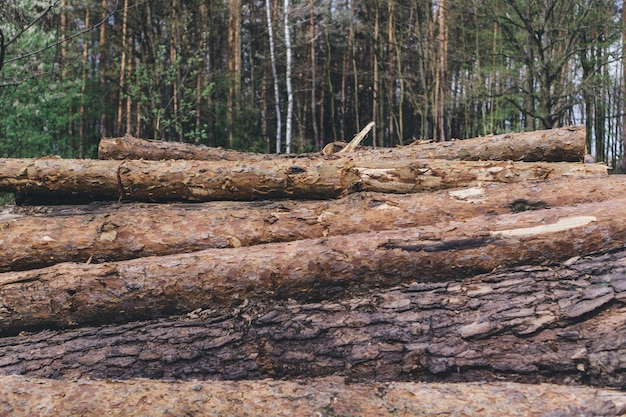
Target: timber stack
x,y
477,277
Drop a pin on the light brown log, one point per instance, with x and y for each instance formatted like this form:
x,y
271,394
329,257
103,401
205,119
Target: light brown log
x,y
21,396
129,147
33,237
50,179
68,294
554,145
562,324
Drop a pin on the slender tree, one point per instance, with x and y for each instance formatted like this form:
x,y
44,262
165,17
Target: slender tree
x,y
288,66
270,32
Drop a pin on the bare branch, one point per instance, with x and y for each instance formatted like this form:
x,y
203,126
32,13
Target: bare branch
x,y
2,49
60,41
33,23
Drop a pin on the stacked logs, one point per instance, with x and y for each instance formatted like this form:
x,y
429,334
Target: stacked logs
x,y
374,270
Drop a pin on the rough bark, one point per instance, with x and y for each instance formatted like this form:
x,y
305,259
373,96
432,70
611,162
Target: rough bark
x,y
34,237
56,180
532,324
555,145
22,396
129,147
68,294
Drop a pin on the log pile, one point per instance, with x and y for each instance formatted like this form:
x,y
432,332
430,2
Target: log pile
x,y
363,282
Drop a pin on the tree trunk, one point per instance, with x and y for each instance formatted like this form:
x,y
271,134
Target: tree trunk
x,y
129,147
324,396
34,237
270,33
234,69
55,180
289,115
565,144
314,269
122,79
532,324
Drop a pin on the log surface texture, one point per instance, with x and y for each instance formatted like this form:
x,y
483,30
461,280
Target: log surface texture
x,y
54,180
554,145
20,396
563,325
34,237
71,293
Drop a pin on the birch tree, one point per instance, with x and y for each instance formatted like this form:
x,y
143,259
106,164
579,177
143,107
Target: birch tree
x,y
270,31
288,80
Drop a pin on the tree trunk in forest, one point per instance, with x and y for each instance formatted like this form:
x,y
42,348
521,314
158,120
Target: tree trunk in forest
x,y
375,142
83,88
42,236
234,68
313,35
562,324
26,396
54,180
564,144
122,79
441,74
289,115
270,32
68,294
102,56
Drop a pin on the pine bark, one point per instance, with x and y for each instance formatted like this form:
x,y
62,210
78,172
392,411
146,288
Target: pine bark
x,y
562,325
325,396
35,237
54,180
555,145
312,269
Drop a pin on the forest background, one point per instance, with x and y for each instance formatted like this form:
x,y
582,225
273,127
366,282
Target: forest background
x,y
293,75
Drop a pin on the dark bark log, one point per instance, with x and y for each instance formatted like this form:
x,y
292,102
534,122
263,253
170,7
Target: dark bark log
x,y
313,269
21,396
34,237
555,145
50,179
562,324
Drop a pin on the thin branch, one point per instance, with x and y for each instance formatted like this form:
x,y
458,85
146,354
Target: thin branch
x,y
33,23
60,41
2,48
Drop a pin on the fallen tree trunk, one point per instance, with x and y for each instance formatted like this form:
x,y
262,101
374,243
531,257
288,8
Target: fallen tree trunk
x,y
554,145
329,397
35,237
69,294
129,147
58,180
562,324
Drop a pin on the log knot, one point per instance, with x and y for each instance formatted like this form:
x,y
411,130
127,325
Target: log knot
x,y
294,170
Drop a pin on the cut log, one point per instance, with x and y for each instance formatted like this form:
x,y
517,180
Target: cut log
x,y
21,396
68,294
129,147
555,145
562,324
35,237
50,179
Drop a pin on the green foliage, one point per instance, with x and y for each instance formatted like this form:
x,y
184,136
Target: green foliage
x,y
510,65
35,100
